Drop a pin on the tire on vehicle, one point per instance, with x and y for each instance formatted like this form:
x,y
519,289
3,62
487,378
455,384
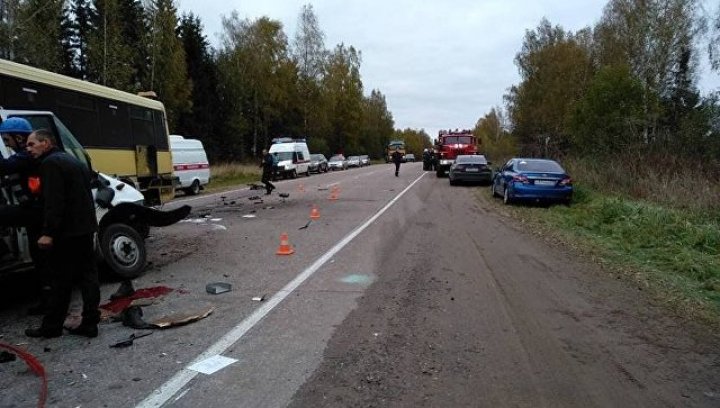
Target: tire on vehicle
x,y
123,250
194,188
506,196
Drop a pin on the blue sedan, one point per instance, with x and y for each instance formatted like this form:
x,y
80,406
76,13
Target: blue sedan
x,y
539,180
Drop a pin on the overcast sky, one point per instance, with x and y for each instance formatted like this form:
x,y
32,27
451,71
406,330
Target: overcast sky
x,y
440,64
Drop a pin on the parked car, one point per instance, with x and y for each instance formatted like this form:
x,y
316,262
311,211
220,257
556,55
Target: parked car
x,y
318,163
532,179
470,168
353,161
364,160
409,158
338,162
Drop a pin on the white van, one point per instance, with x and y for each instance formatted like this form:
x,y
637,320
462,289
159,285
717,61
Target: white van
x,y
190,164
293,157
123,220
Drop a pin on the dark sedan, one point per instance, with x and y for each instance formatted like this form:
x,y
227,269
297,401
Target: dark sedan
x,y
470,168
539,180
318,163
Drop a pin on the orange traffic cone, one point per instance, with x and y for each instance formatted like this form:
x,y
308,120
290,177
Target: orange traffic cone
x,y
285,248
314,213
333,195
301,188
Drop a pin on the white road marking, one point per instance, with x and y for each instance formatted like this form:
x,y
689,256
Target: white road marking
x,y
171,387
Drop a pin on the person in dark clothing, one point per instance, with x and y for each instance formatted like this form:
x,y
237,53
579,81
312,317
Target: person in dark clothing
x,y
68,228
268,169
19,168
397,159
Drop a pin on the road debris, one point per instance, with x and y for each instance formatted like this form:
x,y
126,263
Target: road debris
x,y
178,319
212,364
127,342
306,225
284,195
217,288
133,317
249,216
254,198
116,306
6,357
259,298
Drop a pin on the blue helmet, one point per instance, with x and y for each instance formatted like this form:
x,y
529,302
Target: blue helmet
x,y
15,125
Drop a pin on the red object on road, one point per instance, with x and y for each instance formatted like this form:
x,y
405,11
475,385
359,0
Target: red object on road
x,y
35,366
118,305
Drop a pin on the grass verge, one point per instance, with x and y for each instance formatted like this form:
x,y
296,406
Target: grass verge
x,y
226,175
672,252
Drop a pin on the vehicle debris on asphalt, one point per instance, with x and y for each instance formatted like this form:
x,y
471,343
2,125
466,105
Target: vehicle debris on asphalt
x,y
127,342
217,288
178,319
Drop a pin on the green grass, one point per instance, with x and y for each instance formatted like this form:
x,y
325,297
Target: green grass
x,y
226,175
673,251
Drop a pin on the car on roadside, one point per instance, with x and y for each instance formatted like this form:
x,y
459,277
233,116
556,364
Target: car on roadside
x,y
353,161
470,168
318,163
409,158
364,160
532,179
337,162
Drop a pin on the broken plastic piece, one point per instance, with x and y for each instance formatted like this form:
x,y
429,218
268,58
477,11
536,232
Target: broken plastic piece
x,y
178,319
129,341
218,287
258,298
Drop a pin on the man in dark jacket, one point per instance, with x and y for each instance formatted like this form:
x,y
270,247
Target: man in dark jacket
x,y
268,169
397,159
68,228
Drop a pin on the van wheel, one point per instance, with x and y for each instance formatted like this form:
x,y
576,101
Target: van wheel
x,y
307,173
123,250
293,175
194,188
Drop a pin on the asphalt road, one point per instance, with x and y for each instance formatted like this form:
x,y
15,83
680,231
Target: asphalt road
x,y
406,292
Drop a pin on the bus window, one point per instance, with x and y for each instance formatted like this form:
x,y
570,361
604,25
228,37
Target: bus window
x,y
141,122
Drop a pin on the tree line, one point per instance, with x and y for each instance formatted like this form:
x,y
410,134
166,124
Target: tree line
x,y
256,86
626,85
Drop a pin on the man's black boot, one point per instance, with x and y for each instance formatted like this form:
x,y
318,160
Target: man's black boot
x,y
43,332
85,330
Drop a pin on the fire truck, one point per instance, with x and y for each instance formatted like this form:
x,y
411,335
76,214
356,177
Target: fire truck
x,y
449,145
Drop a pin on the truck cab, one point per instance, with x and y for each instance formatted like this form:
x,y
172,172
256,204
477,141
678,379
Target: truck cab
x,y
123,219
451,144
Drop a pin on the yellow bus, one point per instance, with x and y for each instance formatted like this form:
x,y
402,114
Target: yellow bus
x,y
125,135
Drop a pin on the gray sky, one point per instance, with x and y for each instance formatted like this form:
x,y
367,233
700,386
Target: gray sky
x,y
440,64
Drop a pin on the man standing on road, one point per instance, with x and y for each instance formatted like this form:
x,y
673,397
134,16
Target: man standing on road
x,y
397,159
68,228
268,168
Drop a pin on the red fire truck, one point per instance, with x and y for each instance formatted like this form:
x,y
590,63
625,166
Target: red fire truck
x,y
449,145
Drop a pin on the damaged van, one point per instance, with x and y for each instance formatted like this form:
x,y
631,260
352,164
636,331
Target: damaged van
x,y
124,221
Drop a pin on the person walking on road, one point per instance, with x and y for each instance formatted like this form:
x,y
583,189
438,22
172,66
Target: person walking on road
x,y
68,229
397,159
268,169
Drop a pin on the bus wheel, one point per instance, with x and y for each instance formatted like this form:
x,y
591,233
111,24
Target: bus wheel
x,y
194,188
123,250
